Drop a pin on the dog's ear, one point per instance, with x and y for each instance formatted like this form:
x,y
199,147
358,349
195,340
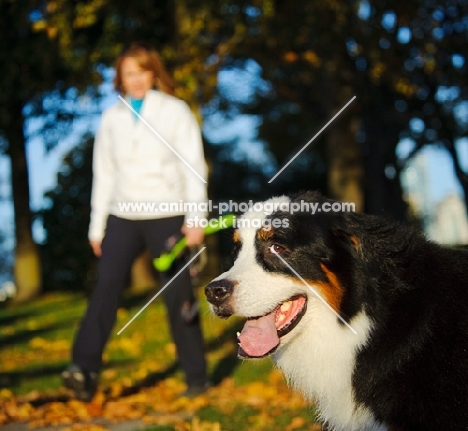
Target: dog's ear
x,y
349,241
336,246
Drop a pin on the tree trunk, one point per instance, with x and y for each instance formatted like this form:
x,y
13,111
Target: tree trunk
x,y
345,164
459,173
384,194
27,266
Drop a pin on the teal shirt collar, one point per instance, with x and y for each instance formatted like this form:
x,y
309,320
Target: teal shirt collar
x,y
136,104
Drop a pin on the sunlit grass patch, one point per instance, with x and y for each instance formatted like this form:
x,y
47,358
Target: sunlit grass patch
x,y
140,377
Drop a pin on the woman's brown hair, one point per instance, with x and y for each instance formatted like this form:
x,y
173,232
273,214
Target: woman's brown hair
x,y
148,59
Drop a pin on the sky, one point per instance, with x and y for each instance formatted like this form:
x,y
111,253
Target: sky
x,y
442,178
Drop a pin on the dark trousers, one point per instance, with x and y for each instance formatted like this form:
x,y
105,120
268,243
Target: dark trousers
x,y
123,241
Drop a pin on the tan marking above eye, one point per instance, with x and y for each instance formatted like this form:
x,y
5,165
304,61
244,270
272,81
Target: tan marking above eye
x,y
265,233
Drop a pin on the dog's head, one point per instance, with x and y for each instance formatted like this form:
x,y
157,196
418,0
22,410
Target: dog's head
x,y
293,264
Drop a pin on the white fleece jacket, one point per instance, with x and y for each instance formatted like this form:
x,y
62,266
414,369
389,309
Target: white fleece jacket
x,y
131,164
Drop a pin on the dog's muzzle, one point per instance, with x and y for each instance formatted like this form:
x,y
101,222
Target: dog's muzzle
x,y
219,293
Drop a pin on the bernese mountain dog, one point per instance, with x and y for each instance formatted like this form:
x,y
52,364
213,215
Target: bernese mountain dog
x,y
364,316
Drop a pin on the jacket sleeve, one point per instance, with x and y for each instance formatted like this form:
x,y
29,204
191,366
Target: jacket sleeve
x,y
190,146
103,181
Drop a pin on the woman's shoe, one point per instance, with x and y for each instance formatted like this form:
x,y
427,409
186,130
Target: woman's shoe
x,y
82,383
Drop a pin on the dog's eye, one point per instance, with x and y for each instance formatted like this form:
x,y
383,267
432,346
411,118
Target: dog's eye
x,y
276,248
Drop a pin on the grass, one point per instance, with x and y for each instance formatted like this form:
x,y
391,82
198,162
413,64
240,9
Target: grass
x,y
35,343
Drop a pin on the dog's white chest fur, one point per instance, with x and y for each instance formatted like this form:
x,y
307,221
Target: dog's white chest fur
x,y
319,362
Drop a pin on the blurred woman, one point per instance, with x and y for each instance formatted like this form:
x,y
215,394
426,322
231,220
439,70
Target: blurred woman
x,y
133,165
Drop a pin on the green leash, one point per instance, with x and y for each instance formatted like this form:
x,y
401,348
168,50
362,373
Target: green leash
x,y
165,261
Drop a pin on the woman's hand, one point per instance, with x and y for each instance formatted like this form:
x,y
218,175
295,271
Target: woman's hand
x,y
194,235
96,246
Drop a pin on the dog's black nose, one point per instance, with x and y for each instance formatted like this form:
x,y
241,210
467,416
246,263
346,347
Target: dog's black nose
x,y
218,291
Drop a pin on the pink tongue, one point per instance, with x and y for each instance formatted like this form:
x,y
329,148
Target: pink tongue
x,y
259,336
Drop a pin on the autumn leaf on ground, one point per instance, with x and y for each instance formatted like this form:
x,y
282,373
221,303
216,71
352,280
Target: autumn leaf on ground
x,y
140,382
